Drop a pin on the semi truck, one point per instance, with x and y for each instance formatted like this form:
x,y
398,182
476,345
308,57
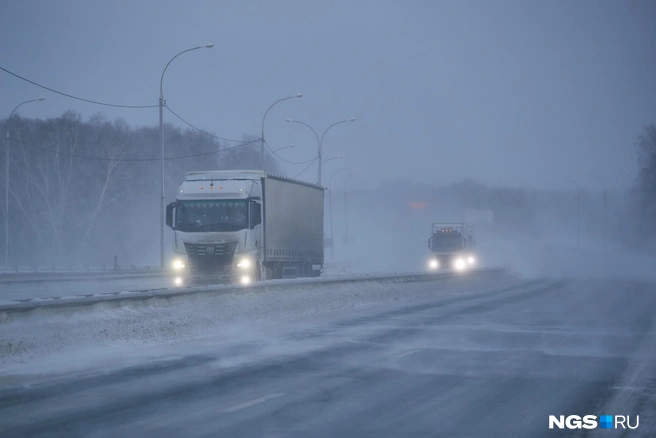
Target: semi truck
x,y
452,246
245,225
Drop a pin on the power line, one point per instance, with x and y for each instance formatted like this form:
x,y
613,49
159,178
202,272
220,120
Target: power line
x,y
307,167
75,97
287,161
86,157
118,106
200,130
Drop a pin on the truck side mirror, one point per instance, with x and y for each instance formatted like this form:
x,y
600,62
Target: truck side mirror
x,y
169,215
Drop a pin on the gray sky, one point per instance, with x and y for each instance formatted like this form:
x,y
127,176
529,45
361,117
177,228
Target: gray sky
x,y
505,92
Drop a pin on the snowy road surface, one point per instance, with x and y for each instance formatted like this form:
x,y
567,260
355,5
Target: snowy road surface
x,y
452,358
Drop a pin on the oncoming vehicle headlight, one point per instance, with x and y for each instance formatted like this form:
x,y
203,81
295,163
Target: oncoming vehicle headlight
x,y
433,264
178,281
245,279
244,263
178,264
459,264
471,260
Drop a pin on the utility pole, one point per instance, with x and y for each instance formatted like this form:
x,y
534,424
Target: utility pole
x,y
346,235
7,177
604,231
320,140
262,141
578,217
330,208
162,213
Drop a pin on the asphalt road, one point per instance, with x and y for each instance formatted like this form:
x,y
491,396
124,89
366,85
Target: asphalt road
x,y
496,364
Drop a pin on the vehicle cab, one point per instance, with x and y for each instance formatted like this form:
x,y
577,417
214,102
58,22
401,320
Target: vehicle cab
x,y
452,246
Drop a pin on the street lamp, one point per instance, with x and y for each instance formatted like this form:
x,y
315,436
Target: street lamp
x,y
578,220
297,95
320,140
279,149
346,236
333,158
161,144
604,222
330,209
7,177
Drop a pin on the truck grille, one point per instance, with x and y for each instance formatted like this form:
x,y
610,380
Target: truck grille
x,y
211,250
210,258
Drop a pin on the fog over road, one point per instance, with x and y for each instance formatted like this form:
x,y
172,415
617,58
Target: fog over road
x,y
476,358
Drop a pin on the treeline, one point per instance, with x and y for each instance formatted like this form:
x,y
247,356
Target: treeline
x,y
642,214
513,208
82,191
550,215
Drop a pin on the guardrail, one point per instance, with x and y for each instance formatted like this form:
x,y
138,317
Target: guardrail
x,y
26,274
72,275
271,285
25,269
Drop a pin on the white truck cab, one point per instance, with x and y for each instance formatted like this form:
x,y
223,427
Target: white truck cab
x,y
243,226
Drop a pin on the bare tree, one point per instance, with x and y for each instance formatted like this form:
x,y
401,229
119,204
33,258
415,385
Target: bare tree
x,y
75,185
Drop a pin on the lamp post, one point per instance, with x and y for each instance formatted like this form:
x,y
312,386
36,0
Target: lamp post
x,y
279,149
161,144
7,177
330,209
578,220
346,236
333,158
604,217
320,139
297,95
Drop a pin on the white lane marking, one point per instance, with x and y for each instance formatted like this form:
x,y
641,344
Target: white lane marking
x,y
406,353
248,404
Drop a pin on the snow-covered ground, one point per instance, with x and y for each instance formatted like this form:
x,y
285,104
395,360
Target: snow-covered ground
x,y
51,340
362,360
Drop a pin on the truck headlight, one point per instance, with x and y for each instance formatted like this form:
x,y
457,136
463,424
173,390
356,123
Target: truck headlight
x,y
178,265
471,260
244,263
459,264
245,279
433,264
178,281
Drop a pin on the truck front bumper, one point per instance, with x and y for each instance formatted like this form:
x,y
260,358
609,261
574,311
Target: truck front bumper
x,y
234,277
191,279
457,261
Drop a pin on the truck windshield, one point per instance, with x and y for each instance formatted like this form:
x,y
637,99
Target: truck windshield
x,y
442,242
212,215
